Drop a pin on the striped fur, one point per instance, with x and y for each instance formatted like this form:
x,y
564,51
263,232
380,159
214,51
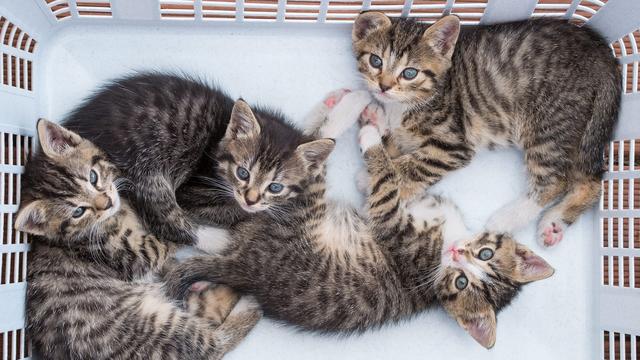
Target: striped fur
x,y
94,284
546,86
320,266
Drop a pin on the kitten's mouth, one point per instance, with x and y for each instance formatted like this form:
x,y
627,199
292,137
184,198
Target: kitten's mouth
x,y
252,209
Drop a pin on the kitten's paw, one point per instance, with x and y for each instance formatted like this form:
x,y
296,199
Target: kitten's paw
x,y
212,302
373,114
514,216
334,97
551,232
362,181
368,137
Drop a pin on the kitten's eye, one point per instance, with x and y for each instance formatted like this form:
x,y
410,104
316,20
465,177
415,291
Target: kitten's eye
x,y
242,173
461,282
409,73
79,211
93,177
485,254
275,187
375,61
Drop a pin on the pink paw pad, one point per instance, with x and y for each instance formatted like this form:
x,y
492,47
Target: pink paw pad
x,y
552,235
335,97
370,116
199,286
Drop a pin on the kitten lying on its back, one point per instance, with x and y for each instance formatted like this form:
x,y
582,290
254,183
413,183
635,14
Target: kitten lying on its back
x,y
544,85
321,266
92,291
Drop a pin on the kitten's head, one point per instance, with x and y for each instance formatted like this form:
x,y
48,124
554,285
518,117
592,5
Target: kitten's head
x,y
266,161
401,60
68,188
481,276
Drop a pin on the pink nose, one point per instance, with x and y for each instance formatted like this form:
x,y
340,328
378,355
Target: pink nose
x,y
455,253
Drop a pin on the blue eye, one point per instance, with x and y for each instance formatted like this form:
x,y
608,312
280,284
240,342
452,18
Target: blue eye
x,y
461,282
485,254
242,173
93,177
409,73
79,211
375,61
275,187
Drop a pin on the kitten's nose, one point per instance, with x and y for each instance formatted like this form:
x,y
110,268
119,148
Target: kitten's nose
x,y
104,202
384,87
251,197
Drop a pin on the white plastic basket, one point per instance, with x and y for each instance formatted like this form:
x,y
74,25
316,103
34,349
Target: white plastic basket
x,y
288,53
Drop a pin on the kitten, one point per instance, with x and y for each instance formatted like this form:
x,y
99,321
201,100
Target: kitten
x,y
546,86
320,266
163,131
92,290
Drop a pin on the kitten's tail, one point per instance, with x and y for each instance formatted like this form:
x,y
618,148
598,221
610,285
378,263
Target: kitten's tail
x,y
599,129
178,280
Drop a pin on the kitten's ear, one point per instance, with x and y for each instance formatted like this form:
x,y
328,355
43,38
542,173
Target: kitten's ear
x,y
243,123
315,152
442,35
481,328
55,140
529,266
368,22
31,218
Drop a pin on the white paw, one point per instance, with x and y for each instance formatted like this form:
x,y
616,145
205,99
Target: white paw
x,y
374,115
551,229
368,137
246,303
345,113
362,181
212,240
514,216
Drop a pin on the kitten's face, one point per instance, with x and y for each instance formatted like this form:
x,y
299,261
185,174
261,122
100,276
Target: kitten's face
x,y
481,276
76,192
400,61
263,173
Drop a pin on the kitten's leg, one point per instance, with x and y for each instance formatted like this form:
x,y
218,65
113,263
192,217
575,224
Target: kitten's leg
x,y
386,210
332,122
212,268
581,196
514,215
211,302
156,204
243,317
318,115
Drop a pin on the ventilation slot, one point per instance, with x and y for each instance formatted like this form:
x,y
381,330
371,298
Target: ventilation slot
x,y
14,345
343,11
179,9
427,10
95,8
60,9
261,10
586,9
302,10
390,7
617,345
469,11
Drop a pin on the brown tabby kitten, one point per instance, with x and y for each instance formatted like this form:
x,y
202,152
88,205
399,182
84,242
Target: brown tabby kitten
x,y
320,266
546,86
92,289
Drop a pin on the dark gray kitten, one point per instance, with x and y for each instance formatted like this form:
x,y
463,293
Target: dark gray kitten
x,y
546,86
164,130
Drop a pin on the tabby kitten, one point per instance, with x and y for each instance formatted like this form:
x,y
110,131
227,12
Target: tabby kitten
x,y
92,291
320,266
163,131
546,86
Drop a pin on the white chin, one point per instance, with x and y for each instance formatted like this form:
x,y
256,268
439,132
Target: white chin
x,y
384,98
